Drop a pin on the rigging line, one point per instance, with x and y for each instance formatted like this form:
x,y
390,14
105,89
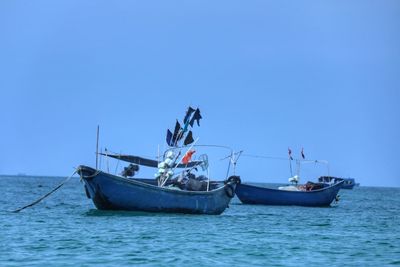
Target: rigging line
x,y
281,158
219,146
233,154
235,160
263,157
229,165
215,146
46,195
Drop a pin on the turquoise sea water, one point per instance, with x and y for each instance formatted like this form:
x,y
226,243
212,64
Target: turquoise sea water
x,y
66,230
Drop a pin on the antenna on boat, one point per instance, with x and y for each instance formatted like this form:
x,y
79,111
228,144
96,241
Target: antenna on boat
x,y
298,167
235,159
290,161
232,160
106,152
97,146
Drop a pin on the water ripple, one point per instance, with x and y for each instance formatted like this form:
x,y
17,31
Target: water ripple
x,y
66,230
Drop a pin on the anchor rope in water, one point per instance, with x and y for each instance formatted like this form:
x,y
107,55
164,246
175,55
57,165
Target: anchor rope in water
x,y
46,195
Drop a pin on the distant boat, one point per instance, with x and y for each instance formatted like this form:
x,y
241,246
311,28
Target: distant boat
x,y
311,195
348,183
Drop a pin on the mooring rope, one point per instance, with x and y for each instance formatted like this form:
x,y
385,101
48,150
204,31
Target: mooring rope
x,y
89,176
263,157
46,195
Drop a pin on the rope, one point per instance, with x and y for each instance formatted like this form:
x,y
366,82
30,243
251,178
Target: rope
x,y
281,158
46,195
263,157
88,176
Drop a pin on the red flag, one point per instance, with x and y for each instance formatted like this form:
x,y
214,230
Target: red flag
x,y
290,153
302,153
188,156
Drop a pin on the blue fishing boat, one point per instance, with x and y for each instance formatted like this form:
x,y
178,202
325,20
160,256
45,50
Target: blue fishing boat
x,y
111,192
311,194
181,184
348,183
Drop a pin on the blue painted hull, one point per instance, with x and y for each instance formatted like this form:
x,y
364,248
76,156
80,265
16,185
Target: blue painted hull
x,y
110,192
349,183
351,186
250,194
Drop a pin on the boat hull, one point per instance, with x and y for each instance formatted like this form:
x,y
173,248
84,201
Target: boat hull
x,y
250,194
348,183
348,186
110,192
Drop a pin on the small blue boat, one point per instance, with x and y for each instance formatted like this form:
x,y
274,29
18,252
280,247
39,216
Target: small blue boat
x,y
322,195
111,192
348,183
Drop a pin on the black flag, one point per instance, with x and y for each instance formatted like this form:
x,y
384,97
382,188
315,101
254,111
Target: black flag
x,y
196,117
169,138
290,153
176,136
188,113
188,139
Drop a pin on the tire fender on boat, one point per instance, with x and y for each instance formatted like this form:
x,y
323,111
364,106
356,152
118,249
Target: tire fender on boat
x,y
234,179
229,190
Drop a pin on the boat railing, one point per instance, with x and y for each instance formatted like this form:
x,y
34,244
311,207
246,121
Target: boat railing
x,y
201,161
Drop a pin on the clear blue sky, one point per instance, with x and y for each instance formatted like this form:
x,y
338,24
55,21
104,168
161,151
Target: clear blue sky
x,y
267,75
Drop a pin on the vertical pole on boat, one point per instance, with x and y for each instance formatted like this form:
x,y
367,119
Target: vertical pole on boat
x,y
290,161
208,180
108,167
97,146
100,159
229,165
235,159
298,167
116,167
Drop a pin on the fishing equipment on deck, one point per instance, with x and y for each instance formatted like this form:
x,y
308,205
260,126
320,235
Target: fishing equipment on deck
x,y
188,156
294,179
130,170
165,167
